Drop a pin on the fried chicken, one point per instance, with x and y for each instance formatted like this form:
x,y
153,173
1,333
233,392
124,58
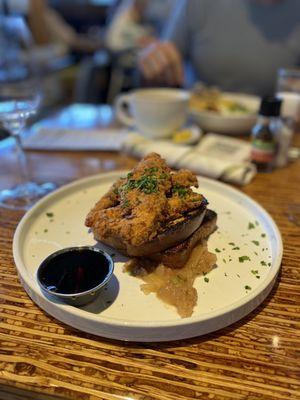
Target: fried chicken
x,y
138,207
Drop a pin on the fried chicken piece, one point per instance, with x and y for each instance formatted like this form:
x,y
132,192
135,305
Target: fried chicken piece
x,y
184,178
178,206
142,204
136,208
110,199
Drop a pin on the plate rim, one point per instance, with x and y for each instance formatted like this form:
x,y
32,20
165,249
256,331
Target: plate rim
x,y
39,298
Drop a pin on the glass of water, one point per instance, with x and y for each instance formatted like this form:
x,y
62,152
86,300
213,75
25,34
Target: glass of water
x,y
20,98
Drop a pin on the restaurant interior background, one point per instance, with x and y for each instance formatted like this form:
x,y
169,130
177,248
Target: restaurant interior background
x,y
69,72
68,127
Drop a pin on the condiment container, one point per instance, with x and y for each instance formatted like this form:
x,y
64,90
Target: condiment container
x,y
75,275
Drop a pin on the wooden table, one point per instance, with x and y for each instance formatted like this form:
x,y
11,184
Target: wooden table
x,y
255,358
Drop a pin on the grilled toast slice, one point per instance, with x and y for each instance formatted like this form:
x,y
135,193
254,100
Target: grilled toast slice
x,y
177,256
174,234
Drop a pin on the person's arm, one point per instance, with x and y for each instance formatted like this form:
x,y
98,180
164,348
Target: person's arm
x,y
64,34
161,62
37,22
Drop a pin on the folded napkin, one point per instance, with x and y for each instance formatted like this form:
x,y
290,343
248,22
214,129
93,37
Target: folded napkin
x,y
216,156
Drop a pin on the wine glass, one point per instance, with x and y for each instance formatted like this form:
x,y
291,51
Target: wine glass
x,y
20,98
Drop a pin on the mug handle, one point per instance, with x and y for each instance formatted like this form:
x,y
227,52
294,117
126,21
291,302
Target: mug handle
x,y
122,115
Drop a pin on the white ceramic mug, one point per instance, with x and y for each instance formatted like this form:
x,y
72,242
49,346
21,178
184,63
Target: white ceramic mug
x,y
156,113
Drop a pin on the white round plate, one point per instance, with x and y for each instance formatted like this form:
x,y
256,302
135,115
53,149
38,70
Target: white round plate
x,y
231,124
233,290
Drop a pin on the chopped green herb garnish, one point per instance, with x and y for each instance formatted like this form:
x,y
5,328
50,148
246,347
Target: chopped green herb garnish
x,y
125,203
236,248
45,230
180,191
224,261
254,272
256,253
217,250
147,183
255,242
231,244
257,276
50,214
269,264
206,279
251,226
151,170
263,235
244,258
116,191
238,275
177,279
263,263
247,287
225,274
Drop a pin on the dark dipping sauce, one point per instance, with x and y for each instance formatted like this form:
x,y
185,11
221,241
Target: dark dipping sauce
x,y
74,270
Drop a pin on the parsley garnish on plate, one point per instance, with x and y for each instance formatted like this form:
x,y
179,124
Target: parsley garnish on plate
x,y
50,214
206,279
247,287
244,258
255,242
251,226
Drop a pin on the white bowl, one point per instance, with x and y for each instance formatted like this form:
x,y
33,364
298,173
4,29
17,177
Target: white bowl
x,y
231,124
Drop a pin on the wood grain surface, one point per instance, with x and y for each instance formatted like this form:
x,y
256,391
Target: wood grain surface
x,y
255,358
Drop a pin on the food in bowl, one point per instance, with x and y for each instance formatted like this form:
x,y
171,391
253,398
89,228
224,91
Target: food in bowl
x,y
154,216
214,101
223,112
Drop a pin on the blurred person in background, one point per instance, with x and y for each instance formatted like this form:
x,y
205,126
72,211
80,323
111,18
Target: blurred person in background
x,y
53,43
48,27
132,25
237,45
137,23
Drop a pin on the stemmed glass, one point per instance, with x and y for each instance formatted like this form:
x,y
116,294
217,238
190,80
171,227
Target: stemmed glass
x,y
20,98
